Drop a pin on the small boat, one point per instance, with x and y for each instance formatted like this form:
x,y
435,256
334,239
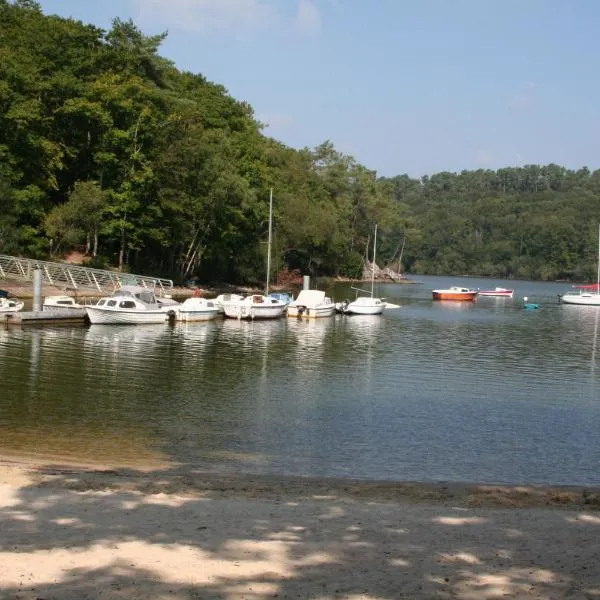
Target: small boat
x,y
499,292
60,302
256,306
311,304
455,293
10,304
364,305
197,309
588,295
222,298
132,305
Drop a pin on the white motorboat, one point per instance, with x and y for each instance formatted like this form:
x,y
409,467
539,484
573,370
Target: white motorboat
x,y
256,306
311,304
588,295
9,304
132,305
198,309
60,302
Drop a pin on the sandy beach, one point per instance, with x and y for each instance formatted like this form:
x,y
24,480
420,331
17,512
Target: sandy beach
x,y
72,532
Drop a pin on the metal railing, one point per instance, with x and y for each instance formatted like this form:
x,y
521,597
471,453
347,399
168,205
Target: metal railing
x,y
75,276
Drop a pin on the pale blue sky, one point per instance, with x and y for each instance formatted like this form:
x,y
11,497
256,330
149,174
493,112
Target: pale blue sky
x,y
404,86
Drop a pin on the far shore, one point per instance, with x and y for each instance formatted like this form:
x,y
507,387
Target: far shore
x,y
88,532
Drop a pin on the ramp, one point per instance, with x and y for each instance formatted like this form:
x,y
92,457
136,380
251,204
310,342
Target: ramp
x,y
76,276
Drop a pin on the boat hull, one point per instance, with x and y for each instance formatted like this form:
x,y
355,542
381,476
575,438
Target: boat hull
x,y
364,310
236,310
498,293
310,312
108,316
362,306
584,299
456,296
198,315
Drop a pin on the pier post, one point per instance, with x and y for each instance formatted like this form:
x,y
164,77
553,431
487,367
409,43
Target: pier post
x,y
306,282
37,290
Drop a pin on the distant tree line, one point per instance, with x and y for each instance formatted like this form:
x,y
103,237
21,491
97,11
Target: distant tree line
x,y
106,147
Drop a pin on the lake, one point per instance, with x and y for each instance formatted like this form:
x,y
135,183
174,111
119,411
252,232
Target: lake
x,y
432,391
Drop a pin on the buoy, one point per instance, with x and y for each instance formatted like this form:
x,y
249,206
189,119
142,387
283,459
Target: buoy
x,y
529,305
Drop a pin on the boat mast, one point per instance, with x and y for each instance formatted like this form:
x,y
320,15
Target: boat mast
x,y
373,265
598,274
400,258
269,244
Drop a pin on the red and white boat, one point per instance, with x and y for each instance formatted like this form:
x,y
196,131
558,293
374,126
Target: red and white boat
x,y
455,293
499,292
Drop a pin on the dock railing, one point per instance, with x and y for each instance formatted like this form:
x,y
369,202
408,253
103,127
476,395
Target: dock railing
x,y
76,276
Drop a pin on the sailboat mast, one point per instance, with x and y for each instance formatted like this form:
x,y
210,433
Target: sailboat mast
x,y
598,274
400,259
269,244
373,264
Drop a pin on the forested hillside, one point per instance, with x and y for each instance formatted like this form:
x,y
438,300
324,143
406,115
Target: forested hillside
x,y
108,148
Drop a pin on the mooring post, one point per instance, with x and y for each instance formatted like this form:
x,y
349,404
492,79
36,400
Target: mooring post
x,y
37,290
306,282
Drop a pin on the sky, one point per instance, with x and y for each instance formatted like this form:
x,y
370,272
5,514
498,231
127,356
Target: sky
x,y
403,86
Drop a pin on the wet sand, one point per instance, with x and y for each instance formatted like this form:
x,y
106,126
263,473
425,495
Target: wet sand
x,y
71,531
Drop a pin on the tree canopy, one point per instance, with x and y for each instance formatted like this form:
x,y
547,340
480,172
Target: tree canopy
x,y
107,147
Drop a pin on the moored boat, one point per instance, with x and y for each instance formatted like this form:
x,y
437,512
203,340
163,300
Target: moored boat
x,y
363,305
499,292
256,306
60,302
588,295
10,304
197,309
131,305
311,304
455,293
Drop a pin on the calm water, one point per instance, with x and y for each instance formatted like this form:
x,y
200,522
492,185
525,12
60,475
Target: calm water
x,y
432,391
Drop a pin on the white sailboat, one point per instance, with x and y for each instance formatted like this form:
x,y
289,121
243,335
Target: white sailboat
x,y
588,295
365,305
257,306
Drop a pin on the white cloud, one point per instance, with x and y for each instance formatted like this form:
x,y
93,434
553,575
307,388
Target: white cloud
x,y
229,15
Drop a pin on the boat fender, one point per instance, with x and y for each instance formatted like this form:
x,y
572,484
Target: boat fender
x,y
345,305
301,310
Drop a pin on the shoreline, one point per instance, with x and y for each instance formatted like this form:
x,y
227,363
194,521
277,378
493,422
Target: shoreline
x,y
169,480
85,533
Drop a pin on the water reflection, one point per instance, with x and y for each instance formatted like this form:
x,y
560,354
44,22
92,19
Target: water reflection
x,y
57,402
482,391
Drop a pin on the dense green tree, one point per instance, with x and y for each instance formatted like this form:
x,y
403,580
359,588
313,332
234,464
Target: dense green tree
x,y
104,144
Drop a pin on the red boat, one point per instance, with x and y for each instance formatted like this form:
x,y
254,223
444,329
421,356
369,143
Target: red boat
x,y
455,293
499,291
